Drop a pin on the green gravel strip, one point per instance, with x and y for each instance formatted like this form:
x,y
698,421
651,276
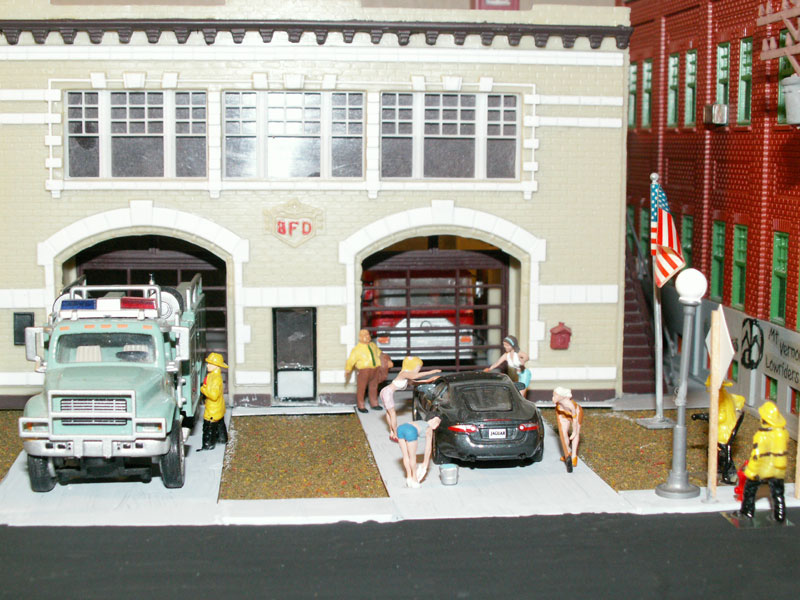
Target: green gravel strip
x,y
10,442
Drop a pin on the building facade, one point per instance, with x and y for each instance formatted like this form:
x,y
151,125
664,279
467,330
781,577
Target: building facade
x,y
282,148
708,114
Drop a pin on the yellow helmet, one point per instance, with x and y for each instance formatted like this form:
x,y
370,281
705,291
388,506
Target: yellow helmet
x,y
215,358
771,415
411,362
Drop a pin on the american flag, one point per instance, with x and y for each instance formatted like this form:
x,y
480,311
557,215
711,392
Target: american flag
x,y
664,243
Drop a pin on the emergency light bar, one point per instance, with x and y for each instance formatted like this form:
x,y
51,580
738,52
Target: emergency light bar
x,y
127,306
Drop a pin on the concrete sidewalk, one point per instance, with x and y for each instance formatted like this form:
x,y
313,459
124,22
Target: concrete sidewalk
x,y
543,488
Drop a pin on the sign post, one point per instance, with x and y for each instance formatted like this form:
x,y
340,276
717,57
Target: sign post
x,y
720,350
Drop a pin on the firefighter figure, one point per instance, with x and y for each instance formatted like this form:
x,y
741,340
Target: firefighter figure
x,y
214,416
767,463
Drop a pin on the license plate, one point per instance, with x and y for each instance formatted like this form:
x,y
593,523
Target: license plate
x,y
496,434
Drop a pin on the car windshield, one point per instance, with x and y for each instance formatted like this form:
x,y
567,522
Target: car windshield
x,y
105,348
486,398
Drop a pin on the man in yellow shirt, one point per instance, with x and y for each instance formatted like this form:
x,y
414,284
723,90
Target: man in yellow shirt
x,y
372,367
214,416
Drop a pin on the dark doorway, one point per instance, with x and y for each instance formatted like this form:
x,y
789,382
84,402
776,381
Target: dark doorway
x,y
134,259
295,349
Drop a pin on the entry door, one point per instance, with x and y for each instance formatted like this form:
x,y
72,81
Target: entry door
x,y
295,351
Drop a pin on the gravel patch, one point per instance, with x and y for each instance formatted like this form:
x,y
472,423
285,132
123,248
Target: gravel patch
x,y
629,457
310,456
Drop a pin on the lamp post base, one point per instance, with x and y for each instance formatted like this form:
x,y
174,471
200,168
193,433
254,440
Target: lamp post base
x,y
677,491
656,423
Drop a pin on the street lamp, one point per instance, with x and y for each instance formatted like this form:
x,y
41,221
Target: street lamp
x,y
691,285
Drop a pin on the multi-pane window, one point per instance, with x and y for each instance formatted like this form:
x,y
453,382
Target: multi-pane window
x,y
723,72
136,134
780,269
673,80
770,388
745,81
284,135
717,260
687,233
785,69
690,89
448,135
739,274
632,81
647,91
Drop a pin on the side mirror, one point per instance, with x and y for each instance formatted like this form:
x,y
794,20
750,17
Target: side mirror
x,y
519,385
33,337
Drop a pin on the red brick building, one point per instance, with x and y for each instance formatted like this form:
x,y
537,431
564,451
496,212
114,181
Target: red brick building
x,y
733,185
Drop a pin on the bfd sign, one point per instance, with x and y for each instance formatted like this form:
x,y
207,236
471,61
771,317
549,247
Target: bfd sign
x,y
293,227
294,222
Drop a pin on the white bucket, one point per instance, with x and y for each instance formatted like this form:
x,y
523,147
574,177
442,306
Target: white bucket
x,y
448,474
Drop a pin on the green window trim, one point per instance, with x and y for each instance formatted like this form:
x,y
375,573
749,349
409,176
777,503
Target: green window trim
x,y
687,233
723,73
632,82
744,96
673,80
717,260
739,274
690,90
644,231
780,267
647,92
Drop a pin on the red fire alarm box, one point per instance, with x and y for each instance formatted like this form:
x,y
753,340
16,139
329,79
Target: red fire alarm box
x,y
559,337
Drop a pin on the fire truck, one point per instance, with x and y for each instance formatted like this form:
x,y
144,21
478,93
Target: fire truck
x,y
122,371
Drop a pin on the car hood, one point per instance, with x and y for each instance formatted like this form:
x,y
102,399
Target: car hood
x,y
143,380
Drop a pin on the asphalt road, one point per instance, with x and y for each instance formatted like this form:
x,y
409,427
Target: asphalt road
x,y
570,556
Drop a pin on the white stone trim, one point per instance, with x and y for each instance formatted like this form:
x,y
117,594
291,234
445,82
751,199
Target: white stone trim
x,y
9,379
29,118
580,100
277,51
142,213
16,299
578,294
30,95
589,122
442,213
264,297
333,377
253,377
574,374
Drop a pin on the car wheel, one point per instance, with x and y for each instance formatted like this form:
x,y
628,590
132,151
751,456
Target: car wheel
x,y
173,463
41,473
437,457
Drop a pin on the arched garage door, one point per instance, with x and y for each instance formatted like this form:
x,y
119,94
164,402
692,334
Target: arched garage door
x,y
134,259
446,306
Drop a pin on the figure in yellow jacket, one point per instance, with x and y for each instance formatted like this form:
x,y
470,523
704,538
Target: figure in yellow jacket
x,y
767,463
214,416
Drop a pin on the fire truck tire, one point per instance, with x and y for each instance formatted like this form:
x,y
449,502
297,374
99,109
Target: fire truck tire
x,y
175,294
173,463
43,479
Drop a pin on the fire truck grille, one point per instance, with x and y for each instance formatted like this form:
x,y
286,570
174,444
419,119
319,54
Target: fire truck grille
x,y
96,405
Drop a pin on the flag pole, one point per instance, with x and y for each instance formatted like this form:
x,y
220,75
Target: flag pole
x,y
658,421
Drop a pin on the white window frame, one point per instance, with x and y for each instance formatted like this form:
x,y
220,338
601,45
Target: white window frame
x,y
325,135
105,134
481,136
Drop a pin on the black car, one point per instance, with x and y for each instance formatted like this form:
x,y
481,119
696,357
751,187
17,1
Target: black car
x,y
484,417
